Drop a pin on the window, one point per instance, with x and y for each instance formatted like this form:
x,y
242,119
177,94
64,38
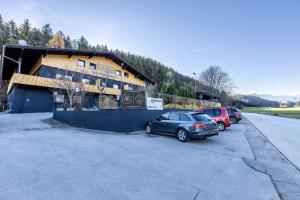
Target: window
x,y
201,117
163,116
103,83
217,112
210,112
81,63
59,98
118,73
58,76
66,77
174,116
85,81
115,86
126,74
93,66
184,117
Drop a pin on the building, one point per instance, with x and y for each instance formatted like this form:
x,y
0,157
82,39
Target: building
x,y
33,73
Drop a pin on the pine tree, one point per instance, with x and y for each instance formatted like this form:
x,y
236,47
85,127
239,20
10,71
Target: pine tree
x,y
24,31
83,43
47,34
68,42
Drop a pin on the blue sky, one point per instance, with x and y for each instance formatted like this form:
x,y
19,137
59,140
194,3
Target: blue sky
x,y
257,42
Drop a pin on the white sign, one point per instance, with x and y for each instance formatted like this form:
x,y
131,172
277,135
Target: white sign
x,y
154,103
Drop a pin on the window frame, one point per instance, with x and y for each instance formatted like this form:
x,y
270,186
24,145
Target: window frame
x,y
188,119
126,74
117,86
78,61
174,114
118,73
93,64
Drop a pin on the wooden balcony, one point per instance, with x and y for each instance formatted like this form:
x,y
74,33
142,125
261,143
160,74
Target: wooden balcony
x,y
25,79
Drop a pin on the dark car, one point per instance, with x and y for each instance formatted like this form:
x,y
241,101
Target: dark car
x,y
220,115
235,115
183,125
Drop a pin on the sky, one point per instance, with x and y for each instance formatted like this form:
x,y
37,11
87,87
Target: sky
x,y
256,41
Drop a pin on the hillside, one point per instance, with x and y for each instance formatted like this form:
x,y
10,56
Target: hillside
x,y
167,79
255,101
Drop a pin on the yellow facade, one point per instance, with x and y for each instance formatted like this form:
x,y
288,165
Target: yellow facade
x,y
25,79
66,63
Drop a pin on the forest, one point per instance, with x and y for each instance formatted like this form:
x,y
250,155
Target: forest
x,y
166,78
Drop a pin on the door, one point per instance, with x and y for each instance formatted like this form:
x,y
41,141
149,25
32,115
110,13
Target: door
x,y
159,123
172,125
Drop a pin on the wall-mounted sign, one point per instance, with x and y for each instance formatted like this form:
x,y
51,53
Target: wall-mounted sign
x,y
154,103
132,99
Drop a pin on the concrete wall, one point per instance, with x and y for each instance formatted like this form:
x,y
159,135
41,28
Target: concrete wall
x,y
120,120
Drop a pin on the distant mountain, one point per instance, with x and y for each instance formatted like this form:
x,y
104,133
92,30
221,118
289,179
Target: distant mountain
x,y
254,100
292,98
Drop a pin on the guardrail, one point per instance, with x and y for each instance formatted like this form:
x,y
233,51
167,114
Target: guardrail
x,y
177,102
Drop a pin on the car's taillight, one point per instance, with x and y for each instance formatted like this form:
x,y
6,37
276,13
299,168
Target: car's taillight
x,y
227,119
198,125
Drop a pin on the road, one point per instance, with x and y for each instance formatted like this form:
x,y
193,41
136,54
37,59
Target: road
x,y
283,133
44,160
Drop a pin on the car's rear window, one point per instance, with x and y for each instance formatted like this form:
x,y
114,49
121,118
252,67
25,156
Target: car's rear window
x,y
201,117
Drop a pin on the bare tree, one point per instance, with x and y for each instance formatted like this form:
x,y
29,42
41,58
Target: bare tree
x,y
215,78
73,84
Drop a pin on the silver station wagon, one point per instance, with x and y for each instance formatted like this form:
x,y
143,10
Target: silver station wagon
x,y
184,125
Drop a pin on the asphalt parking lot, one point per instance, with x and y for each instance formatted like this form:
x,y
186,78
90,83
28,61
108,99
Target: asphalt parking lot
x,y
41,159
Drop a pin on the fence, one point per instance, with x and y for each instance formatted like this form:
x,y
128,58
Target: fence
x,y
169,102
177,102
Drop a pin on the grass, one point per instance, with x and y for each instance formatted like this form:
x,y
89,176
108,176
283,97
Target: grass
x,y
282,112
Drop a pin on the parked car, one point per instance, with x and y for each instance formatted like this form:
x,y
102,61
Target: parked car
x,y
183,125
235,115
220,115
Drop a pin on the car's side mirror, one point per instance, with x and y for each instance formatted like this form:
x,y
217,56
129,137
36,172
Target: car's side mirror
x,y
158,119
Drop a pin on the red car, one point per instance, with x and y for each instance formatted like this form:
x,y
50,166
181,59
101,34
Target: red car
x,y
220,115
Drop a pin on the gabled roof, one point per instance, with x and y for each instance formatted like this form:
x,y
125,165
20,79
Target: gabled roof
x,y
31,54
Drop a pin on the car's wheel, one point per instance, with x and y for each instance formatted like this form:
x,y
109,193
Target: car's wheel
x,y
148,129
182,135
221,126
233,120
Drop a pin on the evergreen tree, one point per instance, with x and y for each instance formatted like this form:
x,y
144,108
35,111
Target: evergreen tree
x,y
68,42
46,34
24,31
83,43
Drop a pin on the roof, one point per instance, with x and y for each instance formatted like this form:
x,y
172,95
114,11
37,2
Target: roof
x,y
31,54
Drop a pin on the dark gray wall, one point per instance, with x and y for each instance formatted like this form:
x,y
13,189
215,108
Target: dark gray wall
x,y
120,120
26,99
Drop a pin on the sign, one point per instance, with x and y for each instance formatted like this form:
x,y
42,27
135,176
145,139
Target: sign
x,y
132,99
154,103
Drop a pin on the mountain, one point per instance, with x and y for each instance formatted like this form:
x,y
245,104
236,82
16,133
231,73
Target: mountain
x,y
293,98
253,100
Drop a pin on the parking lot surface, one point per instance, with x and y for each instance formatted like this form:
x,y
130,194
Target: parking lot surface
x,y
41,159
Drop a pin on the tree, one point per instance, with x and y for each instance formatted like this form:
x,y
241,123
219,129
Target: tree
x,y
68,42
73,84
46,33
215,78
83,43
24,30
57,41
